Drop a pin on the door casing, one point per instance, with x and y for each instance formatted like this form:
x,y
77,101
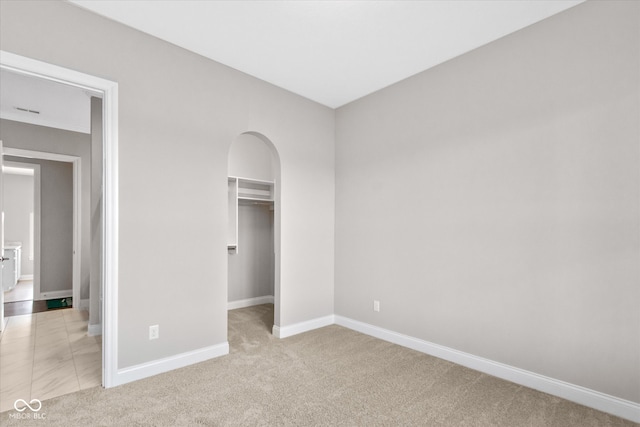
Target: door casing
x,y
108,91
77,229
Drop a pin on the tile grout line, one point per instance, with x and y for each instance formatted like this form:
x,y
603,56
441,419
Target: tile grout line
x,y
66,340
34,318
36,351
73,356
30,351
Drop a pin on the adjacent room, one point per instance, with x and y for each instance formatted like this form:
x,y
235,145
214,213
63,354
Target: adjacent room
x,y
335,212
51,339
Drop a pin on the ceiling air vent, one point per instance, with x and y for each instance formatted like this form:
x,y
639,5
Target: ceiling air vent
x,y
26,110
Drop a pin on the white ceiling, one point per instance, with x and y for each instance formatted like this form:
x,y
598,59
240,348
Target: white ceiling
x,y
332,52
51,104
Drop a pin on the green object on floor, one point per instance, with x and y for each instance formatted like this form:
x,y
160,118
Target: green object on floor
x,y
52,304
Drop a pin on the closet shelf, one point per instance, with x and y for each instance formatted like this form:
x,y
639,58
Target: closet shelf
x,y
243,191
251,200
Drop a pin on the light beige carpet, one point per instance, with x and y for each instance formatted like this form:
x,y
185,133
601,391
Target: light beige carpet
x,y
330,376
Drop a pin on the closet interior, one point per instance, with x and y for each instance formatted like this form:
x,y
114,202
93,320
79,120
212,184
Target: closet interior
x,y
251,254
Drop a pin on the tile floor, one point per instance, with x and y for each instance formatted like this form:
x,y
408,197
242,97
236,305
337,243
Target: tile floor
x,y
47,354
23,291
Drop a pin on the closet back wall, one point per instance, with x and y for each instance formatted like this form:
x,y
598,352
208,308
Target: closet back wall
x,y
251,267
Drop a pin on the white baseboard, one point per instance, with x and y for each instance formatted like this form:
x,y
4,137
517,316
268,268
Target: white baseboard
x,y
94,330
298,328
56,294
160,366
26,277
584,396
82,305
249,302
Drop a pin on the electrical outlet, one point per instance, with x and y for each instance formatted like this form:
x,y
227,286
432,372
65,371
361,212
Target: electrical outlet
x,y
154,332
376,305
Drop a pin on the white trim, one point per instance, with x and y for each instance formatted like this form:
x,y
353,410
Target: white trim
x,y
56,294
83,304
249,302
26,277
37,227
110,234
16,170
170,363
94,330
251,180
2,323
298,328
584,396
77,229
43,155
32,232
109,91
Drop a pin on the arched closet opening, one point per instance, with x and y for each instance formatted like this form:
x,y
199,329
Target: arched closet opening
x,y
253,240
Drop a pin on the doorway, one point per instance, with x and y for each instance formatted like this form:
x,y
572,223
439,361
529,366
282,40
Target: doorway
x,y
60,253
19,182
254,229
108,91
20,208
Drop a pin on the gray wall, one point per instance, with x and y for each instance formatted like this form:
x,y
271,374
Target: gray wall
x,y
174,104
56,223
249,157
251,269
18,205
41,138
492,203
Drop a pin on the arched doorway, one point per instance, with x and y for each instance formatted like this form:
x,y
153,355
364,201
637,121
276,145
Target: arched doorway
x,y
254,223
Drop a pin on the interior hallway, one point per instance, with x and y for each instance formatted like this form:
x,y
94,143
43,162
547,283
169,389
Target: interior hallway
x,y
47,354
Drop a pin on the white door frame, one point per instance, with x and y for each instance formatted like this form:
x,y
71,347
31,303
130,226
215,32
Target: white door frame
x,y
2,323
109,92
77,229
